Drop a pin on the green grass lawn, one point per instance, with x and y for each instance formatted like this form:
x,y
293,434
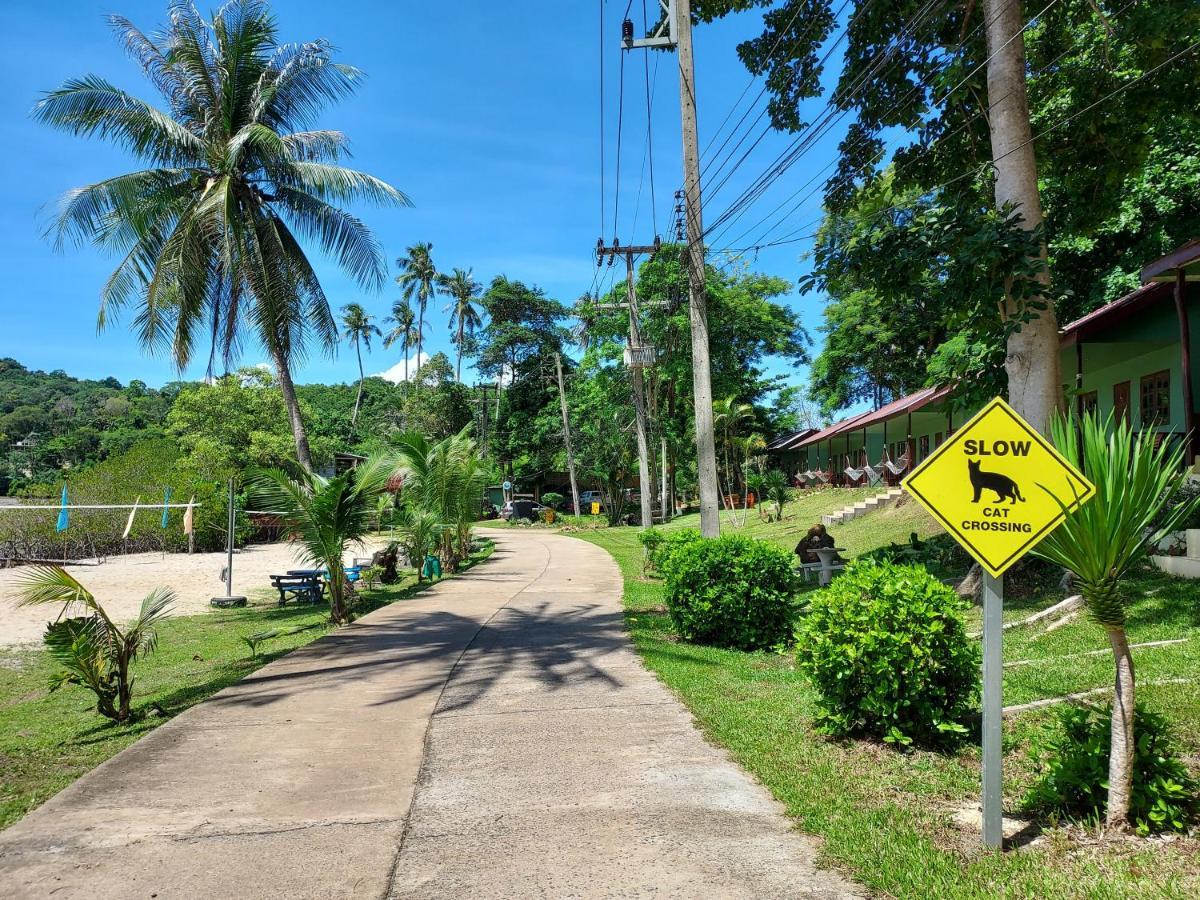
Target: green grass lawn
x,y
887,818
48,740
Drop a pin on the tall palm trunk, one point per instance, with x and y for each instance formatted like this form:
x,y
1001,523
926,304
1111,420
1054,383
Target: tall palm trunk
x,y
288,389
458,366
1120,763
1031,362
361,378
420,334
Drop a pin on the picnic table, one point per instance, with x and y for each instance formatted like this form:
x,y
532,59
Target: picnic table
x,y
301,585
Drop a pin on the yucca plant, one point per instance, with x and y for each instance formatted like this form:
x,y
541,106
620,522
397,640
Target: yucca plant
x,y
1102,541
94,651
325,515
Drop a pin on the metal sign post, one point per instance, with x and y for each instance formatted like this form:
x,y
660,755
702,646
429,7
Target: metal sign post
x,y
998,487
993,707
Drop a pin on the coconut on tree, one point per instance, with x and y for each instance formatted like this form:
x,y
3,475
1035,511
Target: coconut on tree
x,y
358,326
211,234
418,280
464,309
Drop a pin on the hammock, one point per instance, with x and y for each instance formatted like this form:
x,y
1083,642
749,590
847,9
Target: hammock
x,y
822,477
853,474
874,474
897,468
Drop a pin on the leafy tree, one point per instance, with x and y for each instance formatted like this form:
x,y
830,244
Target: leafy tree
x,y
359,326
327,515
94,651
729,418
523,323
1105,539
463,309
1117,182
210,235
436,405
418,278
236,423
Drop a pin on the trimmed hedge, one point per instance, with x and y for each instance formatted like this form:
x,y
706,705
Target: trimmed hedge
x,y
887,649
730,591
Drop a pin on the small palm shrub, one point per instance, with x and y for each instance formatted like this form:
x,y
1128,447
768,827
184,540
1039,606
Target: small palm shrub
x,y
777,490
94,651
730,591
1073,759
887,649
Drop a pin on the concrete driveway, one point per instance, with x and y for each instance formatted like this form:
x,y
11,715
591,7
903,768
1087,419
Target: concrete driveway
x,y
496,737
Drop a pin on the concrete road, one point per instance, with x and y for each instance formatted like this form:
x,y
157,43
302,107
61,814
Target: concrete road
x,y
495,738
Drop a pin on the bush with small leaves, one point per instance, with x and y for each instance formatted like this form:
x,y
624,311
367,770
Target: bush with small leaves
x,y
665,544
730,591
887,649
1072,757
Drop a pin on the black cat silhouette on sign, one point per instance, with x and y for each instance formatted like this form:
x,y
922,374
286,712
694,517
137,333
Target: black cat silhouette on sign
x,y
1003,486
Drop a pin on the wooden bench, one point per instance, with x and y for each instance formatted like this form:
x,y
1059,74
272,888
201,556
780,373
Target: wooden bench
x,y
301,588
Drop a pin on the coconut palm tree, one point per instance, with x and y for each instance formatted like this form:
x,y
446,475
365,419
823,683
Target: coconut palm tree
x,y
418,278
326,515
358,327
445,479
464,309
210,235
93,650
403,331
728,418
1103,540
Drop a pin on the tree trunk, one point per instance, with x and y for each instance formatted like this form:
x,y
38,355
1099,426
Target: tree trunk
x,y
361,378
420,333
288,389
1120,762
458,365
1031,361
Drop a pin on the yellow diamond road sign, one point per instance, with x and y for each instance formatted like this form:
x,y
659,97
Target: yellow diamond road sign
x,y
996,485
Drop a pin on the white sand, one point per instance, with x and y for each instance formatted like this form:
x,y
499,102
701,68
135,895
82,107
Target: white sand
x,y
121,583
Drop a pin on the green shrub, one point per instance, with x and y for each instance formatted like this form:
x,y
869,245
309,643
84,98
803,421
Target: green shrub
x,y
651,540
731,591
887,649
1072,757
667,544
552,500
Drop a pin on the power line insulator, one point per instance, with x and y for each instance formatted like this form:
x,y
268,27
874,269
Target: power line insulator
x,y
627,33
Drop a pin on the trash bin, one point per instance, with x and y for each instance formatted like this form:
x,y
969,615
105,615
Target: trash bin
x,y
432,568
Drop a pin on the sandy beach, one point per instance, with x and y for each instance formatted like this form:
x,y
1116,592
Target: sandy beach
x,y
121,583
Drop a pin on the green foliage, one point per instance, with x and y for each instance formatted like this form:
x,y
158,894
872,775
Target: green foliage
x,y
1102,540
730,591
444,483
327,515
941,553
93,651
667,544
776,489
651,540
1073,758
552,499
1185,495
888,652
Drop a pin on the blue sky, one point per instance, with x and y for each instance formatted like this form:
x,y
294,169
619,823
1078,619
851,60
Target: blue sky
x,y
486,114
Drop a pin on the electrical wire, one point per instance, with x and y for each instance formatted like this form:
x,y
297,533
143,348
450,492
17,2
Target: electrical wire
x,y
649,129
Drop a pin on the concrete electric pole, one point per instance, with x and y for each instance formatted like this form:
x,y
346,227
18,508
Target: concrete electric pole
x,y
678,27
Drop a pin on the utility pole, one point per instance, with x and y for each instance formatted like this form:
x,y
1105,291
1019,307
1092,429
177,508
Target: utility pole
x,y
637,356
678,23
562,400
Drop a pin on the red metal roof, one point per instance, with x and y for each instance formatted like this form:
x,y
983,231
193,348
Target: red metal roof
x,y
911,403
1118,310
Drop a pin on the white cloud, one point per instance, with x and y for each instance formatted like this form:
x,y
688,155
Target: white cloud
x,y
395,374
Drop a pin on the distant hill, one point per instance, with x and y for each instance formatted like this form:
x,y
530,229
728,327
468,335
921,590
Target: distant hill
x,y
50,421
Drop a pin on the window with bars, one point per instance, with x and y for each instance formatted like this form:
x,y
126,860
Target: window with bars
x,y
1156,399
924,446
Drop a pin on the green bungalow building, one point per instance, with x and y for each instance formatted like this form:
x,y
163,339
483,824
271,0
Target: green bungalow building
x,y
1132,356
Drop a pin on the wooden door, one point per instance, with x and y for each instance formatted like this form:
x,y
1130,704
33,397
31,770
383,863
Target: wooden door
x,y
1121,402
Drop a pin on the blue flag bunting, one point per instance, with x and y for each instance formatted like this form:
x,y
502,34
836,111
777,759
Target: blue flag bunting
x,y
166,509
63,517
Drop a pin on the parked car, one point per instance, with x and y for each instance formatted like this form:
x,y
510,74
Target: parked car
x,y
587,498
521,509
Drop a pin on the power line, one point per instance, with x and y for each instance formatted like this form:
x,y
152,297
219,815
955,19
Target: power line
x,y
972,172
649,129
603,229
620,126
